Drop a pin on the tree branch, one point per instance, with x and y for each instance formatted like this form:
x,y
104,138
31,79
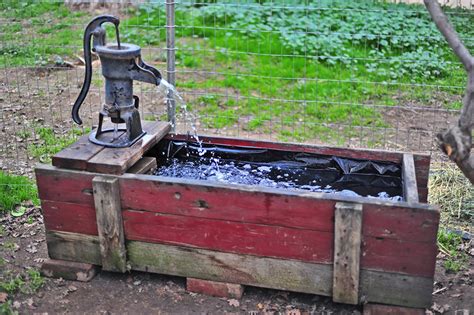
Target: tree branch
x,y
456,142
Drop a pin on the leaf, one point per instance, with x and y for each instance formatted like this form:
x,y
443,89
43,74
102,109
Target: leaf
x,y
234,303
19,211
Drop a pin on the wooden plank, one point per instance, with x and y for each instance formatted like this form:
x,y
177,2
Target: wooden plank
x,y
68,270
76,155
56,184
396,289
109,223
291,275
347,242
410,188
73,247
143,166
118,160
228,236
215,288
69,217
422,169
274,207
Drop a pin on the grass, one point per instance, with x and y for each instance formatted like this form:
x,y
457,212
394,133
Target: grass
x,y
454,194
27,283
51,143
14,190
450,244
256,81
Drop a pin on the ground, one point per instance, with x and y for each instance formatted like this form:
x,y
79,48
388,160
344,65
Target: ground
x,y
23,246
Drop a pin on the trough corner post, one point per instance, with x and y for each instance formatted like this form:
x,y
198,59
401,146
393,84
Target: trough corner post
x,y
347,245
109,223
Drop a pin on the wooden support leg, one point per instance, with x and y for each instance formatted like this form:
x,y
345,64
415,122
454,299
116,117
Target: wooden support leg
x,y
68,270
347,240
379,309
220,289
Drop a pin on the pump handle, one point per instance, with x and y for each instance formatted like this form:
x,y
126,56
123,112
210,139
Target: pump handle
x,y
94,28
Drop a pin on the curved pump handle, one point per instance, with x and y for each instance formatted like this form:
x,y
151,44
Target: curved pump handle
x,y
94,28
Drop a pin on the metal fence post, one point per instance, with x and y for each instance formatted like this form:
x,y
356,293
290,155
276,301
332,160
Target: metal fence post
x,y
170,61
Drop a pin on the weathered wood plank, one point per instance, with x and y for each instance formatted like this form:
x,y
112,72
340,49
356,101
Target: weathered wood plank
x,y
68,270
109,223
347,242
118,160
76,155
56,184
274,207
375,286
143,166
410,188
228,236
396,289
69,217
73,247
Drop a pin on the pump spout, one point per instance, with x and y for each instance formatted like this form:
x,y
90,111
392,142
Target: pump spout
x,y
141,71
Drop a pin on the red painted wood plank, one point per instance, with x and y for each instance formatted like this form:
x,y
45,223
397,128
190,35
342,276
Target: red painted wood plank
x,y
69,217
228,204
396,222
402,223
413,258
253,239
66,186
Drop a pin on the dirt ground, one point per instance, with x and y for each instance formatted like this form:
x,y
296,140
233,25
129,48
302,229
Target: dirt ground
x,y
23,247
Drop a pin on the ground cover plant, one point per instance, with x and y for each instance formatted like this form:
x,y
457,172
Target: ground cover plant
x,y
299,69
14,190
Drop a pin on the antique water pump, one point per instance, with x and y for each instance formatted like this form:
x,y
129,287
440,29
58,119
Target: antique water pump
x,y
121,64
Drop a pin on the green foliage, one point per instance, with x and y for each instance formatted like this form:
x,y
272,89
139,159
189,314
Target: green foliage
x,y
15,189
51,142
450,244
27,283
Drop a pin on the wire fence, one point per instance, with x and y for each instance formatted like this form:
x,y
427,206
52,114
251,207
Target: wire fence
x,y
367,74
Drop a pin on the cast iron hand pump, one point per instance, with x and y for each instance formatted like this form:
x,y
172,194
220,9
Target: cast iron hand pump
x,y
121,64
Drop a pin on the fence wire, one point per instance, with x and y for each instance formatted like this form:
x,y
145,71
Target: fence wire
x,y
368,74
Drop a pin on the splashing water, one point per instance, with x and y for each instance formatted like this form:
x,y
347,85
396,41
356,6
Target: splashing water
x,y
170,91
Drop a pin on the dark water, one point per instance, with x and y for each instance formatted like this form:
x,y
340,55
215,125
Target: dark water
x,y
280,169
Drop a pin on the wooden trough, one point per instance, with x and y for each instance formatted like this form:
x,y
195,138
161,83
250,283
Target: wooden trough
x,y
99,210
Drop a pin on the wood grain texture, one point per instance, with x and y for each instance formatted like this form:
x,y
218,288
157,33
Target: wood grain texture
x,y
397,237
69,217
347,242
109,223
73,247
118,160
143,166
375,286
76,155
244,238
410,188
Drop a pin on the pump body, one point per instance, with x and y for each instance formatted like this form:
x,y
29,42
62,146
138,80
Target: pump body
x,y
121,65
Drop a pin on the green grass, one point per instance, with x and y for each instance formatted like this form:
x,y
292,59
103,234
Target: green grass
x,y
14,190
28,282
450,244
51,143
258,71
